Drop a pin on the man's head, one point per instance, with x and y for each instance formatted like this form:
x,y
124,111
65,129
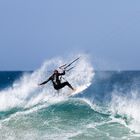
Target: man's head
x,y
55,71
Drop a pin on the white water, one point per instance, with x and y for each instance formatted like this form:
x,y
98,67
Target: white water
x,y
128,107
25,92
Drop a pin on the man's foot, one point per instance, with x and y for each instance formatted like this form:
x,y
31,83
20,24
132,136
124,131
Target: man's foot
x,y
74,89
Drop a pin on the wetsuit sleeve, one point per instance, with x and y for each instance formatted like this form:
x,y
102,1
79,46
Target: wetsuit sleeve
x,y
46,81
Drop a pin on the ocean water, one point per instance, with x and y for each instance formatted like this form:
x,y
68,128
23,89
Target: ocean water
x,y
109,109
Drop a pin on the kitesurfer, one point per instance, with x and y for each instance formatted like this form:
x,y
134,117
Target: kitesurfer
x,y
56,80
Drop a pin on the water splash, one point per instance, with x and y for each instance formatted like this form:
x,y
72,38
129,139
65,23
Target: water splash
x,y
128,107
25,92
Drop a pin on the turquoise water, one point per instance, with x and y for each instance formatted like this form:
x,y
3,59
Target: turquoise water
x,y
72,119
107,110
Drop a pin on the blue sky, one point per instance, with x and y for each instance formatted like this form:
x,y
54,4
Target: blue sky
x,y
32,31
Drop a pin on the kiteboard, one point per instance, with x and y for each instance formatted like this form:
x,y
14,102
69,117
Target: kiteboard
x,y
78,90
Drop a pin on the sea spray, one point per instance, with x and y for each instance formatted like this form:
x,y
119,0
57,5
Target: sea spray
x,y
25,91
127,106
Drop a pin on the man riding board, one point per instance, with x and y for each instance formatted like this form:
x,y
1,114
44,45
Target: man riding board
x,y
56,80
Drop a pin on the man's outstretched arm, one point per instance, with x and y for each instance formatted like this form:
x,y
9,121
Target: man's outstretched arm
x,y
45,82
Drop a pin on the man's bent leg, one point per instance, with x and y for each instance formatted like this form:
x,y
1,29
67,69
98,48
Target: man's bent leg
x,y
67,84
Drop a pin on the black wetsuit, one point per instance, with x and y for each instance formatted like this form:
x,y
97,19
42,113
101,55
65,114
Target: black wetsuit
x,y
55,78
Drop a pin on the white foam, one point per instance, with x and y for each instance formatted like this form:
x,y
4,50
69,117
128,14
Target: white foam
x,y
25,92
127,106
